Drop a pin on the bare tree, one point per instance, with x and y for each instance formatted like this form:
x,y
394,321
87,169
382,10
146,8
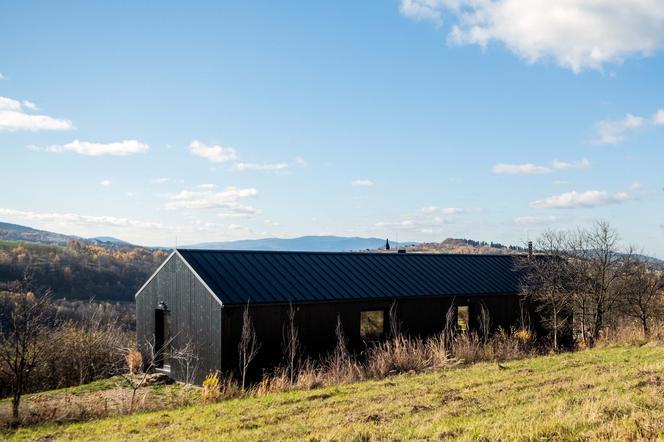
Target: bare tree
x,y
547,282
25,320
248,346
603,266
644,293
291,344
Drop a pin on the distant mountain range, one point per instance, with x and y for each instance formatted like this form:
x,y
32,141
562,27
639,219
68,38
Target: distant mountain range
x,y
303,243
16,232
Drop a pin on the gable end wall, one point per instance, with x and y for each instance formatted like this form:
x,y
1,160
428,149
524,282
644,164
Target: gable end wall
x,y
195,317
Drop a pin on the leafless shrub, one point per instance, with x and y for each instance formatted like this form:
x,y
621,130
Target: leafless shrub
x,y
339,366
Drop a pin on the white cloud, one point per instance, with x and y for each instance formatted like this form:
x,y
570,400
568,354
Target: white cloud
x,y
76,219
443,210
120,148
536,220
241,167
658,118
612,131
14,116
105,183
299,161
422,10
590,198
227,199
216,154
2,77
362,183
160,180
534,169
575,34
524,169
206,186
582,164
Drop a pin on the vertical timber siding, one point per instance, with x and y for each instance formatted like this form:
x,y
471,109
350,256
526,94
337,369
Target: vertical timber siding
x,y
316,323
195,317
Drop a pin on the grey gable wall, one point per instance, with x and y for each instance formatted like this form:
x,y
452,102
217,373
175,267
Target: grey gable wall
x,y
195,316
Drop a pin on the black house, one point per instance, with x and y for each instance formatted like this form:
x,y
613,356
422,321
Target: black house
x,y
197,297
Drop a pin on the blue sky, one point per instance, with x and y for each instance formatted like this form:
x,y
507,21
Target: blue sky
x,y
419,118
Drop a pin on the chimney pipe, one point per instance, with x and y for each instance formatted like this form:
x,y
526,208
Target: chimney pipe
x,y
530,249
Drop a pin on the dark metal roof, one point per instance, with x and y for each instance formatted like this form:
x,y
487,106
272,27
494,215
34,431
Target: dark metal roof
x,y
277,277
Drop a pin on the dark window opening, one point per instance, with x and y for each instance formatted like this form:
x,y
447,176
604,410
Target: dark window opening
x,y
372,324
463,318
162,333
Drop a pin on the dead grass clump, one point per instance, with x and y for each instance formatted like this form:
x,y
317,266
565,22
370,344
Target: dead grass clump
x,y
309,376
397,355
211,391
134,361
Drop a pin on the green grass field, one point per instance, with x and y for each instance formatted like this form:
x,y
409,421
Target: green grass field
x,y
609,393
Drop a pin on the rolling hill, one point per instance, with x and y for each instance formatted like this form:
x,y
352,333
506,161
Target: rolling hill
x,y
601,394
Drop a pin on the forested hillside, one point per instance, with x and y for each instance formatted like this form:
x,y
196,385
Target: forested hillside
x,y
80,270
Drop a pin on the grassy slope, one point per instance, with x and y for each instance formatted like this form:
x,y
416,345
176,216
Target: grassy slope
x,y
612,393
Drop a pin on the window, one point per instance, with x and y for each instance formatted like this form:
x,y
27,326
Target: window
x,y
463,318
372,324
162,335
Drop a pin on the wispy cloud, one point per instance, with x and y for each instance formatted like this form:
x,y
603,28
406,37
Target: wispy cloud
x,y
119,148
362,183
422,10
105,183
55,218
241,167
582,164
160,180
428,220
216,154
534,169
658,118
443,210
520,169
575,34
227,199
590,198
15,115
613,131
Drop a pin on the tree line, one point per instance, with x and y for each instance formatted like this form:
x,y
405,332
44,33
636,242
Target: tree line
x,y
582,282
80,270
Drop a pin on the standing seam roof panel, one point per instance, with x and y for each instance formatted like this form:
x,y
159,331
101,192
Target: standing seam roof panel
x,y
277,277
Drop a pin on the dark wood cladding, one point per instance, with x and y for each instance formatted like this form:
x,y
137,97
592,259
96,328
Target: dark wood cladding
x,y
195,316
316,323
